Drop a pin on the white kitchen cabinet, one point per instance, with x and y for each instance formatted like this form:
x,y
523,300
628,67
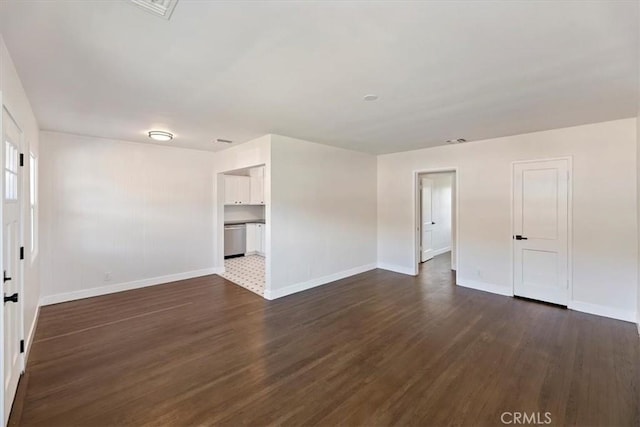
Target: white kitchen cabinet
x,y
237,190
255,239
244,190
257,185
260,244
229,190
252,239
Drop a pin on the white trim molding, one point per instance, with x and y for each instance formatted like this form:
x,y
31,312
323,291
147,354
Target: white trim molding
x,y
397,268
272,294
437,252
119,287
603,310
584,307
485,287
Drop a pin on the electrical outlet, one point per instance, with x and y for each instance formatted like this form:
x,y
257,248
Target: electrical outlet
x,y
107,276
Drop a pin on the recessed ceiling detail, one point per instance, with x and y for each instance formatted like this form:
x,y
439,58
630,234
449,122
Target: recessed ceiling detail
x,y
162,8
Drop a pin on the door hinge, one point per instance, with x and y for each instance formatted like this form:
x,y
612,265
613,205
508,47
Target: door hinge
x,y
21,159
10,298
21,252
21,346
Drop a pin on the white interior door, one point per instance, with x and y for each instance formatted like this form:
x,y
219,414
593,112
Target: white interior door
x,y
12,328
541,230
427,223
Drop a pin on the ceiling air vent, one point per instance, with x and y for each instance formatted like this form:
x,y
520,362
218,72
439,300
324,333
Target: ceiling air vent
x,y
162,8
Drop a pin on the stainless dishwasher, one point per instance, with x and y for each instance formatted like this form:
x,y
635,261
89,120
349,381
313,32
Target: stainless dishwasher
x,y
235,240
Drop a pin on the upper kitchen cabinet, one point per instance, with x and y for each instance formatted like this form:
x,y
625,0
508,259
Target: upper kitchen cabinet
x,y
245,188
237,190
257,185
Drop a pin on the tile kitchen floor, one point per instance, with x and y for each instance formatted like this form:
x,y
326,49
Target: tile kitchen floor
x,y
246,271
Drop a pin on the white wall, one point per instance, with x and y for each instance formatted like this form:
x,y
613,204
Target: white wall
x,y
441,207
323,214
15,100
147,214
139,213
605,232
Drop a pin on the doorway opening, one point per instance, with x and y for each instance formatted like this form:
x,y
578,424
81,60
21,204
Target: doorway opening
x,y
436,218
244,219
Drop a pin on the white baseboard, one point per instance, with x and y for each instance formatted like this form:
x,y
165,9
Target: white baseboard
x,y
441,251
598,310
119,287
298,287
601,310
397,268
484,286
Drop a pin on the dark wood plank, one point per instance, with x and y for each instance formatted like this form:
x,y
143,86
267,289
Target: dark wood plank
x,y
375,349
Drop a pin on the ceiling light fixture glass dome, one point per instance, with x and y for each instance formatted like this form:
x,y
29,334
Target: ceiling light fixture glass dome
x,y
160,135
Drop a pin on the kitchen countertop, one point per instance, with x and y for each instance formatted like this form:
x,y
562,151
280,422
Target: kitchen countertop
x,y
248,221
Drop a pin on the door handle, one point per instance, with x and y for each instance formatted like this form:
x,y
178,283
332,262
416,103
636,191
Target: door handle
x,y
11,298
519,237
6,278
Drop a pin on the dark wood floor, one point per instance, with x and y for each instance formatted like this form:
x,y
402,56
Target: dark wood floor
x,y
376,349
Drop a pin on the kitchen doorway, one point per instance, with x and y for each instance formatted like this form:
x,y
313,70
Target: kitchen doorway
x,y
244,219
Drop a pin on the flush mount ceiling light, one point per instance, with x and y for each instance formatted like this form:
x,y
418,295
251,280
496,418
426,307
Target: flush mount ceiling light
x,y
159,135
456,141
370,97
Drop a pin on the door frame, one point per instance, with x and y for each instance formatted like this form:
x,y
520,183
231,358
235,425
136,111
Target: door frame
x,y
417,218
569,160
21,263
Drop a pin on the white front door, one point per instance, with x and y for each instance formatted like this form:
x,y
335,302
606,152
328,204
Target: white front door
x,y
426,197
12,329
541,230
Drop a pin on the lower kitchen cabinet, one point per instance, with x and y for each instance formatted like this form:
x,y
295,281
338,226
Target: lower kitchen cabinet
x,y
255,239
260,239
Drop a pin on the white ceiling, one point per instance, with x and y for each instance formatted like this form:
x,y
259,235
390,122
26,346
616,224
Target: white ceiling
x,y
238,70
